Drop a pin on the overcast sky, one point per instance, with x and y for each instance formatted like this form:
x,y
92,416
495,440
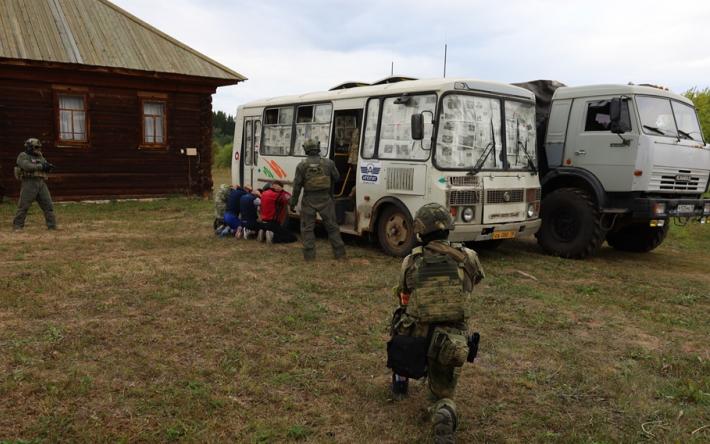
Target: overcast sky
x,y
297,46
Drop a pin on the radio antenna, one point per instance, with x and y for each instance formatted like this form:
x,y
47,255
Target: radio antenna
x,y
392,69
445,51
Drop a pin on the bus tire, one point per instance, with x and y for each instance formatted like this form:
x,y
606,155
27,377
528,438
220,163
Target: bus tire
x,y
395,231
637,237
571,224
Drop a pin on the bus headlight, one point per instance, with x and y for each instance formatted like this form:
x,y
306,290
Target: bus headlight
x,y
706,208
531,210
467,214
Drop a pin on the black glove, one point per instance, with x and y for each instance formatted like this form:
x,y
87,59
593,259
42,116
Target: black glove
x,y
47,167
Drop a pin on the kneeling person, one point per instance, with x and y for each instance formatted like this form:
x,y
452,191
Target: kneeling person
x,y
430,327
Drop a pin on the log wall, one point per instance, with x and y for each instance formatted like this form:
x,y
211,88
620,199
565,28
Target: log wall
x,y
112,164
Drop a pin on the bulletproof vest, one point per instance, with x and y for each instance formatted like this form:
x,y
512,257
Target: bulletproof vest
x,y
316,178
437,288
22,174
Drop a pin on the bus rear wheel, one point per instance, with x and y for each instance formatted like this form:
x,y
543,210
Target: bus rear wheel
x,y
395,232
637,238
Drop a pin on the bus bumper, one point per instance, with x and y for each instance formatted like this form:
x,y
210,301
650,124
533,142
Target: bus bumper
x,y
471,232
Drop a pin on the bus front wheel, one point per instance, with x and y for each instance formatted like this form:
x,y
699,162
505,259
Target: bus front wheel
x,y
395,232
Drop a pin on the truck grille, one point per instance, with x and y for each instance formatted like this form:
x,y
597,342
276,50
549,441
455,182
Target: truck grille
x,y
460,198
460,181
670,179
504,196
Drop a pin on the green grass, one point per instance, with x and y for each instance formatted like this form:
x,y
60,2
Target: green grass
x,y
133,323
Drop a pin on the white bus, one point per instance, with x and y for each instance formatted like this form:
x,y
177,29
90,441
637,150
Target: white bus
x,y
399,144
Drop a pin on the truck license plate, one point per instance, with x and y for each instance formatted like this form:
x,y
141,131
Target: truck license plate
x,y
686,208
503,234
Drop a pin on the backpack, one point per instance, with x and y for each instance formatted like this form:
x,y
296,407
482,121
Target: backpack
x,y
316,178
438,293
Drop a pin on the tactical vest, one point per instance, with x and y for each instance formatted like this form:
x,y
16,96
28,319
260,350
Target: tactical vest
x,y
315,175
437,288
22,174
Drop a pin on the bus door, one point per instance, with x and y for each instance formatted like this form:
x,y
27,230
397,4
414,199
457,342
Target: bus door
x,y
249,153
345,144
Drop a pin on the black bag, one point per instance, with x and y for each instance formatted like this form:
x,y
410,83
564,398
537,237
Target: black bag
x,y
406,356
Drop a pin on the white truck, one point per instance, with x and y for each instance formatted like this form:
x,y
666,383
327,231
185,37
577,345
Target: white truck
x,y
616,163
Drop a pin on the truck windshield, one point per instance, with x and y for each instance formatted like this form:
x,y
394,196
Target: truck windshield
x,y
520,135
661,116
469,133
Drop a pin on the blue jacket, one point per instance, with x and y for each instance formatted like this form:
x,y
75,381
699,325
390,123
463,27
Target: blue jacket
x,y
233,200
247,208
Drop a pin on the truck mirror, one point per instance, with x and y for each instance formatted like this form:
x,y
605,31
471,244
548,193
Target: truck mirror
x,y
417,126
619,115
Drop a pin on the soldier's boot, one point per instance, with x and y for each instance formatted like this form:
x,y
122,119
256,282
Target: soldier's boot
x,y
309,255
339,253
400,387
444,421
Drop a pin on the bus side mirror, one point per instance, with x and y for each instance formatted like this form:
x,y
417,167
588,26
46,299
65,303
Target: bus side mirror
x,y
417,126
619,116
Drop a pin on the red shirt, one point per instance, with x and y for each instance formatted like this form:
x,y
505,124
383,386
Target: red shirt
x,y
271,201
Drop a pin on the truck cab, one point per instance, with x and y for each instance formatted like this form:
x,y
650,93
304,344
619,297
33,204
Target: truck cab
x,y
618,163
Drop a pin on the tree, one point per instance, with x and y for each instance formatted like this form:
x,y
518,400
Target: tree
x,y
701,99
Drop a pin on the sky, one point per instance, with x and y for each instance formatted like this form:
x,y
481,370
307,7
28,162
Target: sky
x,y
298,46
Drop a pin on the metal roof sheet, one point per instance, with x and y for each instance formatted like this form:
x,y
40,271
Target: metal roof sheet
x,y
97,33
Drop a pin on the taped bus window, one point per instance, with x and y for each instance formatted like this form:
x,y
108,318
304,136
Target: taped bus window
x,y
313,122
520,134
368,145
278,127
469,132
396,132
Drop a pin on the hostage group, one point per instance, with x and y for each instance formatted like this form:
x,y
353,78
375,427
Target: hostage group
x,y
429,329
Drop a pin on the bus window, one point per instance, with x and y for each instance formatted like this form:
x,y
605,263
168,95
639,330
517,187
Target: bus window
x,y
257,139
368,145
278,126
395,134
312,122
247,151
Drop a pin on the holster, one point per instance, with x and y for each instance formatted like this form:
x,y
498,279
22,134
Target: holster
x,y
447,348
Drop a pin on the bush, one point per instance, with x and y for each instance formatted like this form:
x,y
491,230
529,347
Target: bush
x,y
222,155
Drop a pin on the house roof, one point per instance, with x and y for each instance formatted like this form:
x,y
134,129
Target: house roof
x,y
98,33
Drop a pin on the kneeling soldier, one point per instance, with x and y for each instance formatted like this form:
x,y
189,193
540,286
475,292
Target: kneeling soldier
x,y
430,326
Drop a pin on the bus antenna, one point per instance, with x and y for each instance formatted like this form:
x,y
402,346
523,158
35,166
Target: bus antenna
x,y
445,51
392,69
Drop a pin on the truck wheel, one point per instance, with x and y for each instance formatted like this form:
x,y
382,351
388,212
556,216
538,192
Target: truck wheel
x,y
571,224
638,238
395,231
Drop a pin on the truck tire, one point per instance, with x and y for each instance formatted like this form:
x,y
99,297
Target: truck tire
x,y
637,238
395,232
571,224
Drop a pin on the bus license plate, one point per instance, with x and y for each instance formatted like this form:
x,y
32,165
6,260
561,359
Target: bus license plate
x,y
503,234
686,208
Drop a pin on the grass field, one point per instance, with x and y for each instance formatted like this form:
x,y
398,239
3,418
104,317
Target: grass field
x,y
133,323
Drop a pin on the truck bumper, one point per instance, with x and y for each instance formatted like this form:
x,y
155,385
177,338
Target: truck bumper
x,y
646,208
471,232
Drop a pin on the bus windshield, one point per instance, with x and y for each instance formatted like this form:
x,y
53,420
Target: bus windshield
x,y
470,135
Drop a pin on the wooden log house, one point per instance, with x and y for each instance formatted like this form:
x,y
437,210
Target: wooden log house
x,y
122,109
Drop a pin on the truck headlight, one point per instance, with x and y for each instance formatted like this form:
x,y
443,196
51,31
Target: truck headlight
x,y
659,208
706,208
467,214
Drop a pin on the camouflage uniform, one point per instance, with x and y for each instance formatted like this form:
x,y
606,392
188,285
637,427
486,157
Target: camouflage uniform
x,y
32,169
316,177
435,286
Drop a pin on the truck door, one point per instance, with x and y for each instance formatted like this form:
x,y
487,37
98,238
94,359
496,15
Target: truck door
x,y
591,144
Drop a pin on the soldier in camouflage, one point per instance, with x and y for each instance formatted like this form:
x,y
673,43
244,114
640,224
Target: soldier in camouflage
x,y
32,169
430,327
316,176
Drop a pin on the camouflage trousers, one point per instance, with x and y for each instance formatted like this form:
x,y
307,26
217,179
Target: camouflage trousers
x,y
34,189
323,204
441,379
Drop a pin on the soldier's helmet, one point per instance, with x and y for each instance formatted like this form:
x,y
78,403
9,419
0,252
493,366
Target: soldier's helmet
x,y
432,217
31,144
311,146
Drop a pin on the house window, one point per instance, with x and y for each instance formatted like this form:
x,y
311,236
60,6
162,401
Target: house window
x,y
72,118
154,123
